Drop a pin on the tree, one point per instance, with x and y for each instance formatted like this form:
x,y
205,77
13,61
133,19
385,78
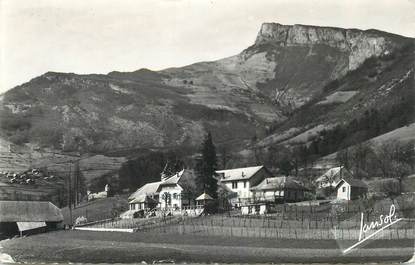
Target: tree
x,y
395,160
206,166
285,165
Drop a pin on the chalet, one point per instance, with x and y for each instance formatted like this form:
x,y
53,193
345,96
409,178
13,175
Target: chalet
x,y
351,189
240,180
28,217
283,189
177,191
174,192
331,177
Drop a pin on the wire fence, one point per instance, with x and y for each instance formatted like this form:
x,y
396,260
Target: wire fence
x,y
255,227
329,221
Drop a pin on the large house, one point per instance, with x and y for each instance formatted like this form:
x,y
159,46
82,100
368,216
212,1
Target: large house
x,y
173,192
241,180
286,189
273,190
178,191
351,189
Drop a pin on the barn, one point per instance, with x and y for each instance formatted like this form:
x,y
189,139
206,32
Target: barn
x,y
27,217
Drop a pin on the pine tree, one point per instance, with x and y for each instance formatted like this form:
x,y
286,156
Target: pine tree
x,y
206,166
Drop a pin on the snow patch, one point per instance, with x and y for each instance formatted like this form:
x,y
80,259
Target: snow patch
x,y
338,97
119,89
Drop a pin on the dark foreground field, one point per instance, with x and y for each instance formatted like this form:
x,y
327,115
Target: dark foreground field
x,y
112,247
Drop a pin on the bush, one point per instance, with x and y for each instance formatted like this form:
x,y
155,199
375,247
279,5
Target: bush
x,y
81,220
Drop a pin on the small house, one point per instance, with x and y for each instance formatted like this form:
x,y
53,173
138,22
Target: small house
x,y
279,189
240,181
351,189
331,177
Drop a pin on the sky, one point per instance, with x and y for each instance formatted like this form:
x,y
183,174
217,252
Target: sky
x,y
100,36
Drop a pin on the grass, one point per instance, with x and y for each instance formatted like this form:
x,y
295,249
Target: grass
x,y
113,247
98,209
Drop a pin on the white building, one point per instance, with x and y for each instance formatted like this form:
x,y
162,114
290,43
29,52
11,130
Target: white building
x,y
331,177
173,192
177,191
240,180
351,189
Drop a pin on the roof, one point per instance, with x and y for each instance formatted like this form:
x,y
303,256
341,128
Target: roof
x,y
154,187
185,178
239,173
279,183
204,196
173,180
142,198
29,211
353,182
148,189
336,172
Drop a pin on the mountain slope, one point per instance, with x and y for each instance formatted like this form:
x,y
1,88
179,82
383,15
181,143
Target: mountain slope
x,y
236,98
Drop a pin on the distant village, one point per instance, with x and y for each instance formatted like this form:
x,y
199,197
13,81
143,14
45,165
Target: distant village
x,y
252,190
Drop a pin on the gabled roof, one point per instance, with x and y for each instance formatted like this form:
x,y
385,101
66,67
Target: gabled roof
x,y
239,173
155,187
182,178
204,196
336,172
352,182
173,180
142,198
148,189
279,183
29,211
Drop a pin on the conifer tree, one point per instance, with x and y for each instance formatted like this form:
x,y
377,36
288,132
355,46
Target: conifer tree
x,y
206,166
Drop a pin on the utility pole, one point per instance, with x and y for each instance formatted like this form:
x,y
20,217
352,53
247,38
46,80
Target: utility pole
x,y
76,180
69,185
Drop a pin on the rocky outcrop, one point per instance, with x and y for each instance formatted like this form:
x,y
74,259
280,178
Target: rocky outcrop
x,y
359,44
234,98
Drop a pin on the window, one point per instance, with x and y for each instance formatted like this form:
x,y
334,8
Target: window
x,y
344,189
245,183
234,184
175,196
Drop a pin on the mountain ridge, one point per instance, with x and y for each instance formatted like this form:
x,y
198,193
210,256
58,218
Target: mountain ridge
x,y
237,97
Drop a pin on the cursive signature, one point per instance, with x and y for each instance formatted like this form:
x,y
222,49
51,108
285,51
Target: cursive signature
x,y
383,222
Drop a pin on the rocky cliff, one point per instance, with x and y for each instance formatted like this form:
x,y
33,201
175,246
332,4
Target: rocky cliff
x,y
237,98
359,44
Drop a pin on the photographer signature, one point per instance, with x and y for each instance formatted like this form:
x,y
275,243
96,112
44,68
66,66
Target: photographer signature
x,y
379,225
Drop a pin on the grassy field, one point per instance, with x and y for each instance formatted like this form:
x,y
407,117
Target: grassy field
x,y
98,209
113,247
